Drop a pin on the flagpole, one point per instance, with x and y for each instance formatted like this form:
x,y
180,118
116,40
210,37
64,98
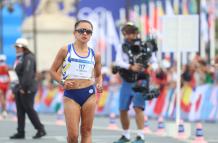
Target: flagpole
x,y
178,81
127,9
199,22
212,33
34,30
1,26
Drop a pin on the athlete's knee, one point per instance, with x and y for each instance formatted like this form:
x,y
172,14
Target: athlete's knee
x,y
72,138
86,131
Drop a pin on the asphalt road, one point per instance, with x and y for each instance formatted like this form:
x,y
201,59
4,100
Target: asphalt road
x,y
56,132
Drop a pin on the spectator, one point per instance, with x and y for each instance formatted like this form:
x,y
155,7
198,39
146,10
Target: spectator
x,y
25,90
4,83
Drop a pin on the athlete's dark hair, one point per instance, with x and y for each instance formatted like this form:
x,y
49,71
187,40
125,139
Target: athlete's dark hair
x,y
82,21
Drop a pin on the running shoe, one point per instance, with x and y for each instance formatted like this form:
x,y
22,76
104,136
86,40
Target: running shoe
x,y
138,140
123,139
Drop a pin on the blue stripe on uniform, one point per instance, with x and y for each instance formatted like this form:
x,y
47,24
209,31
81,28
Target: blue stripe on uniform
x,y
80,61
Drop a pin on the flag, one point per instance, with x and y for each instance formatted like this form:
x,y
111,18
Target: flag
x,y
163,2
176,6
155,15
196,102
204,22
214,102
168,100
137,16
192,6
122,13
142,20
131,15
112,40
159,106
147,18
185,98
180,7
169,9
206,103
50,97
151,15
185,7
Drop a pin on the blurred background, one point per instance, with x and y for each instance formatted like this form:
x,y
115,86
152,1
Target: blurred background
x,y
48,25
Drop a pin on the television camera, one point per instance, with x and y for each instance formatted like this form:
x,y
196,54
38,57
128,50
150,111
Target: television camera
x,y
139,52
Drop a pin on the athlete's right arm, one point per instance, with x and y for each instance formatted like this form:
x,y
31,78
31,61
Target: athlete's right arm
x,y
57,63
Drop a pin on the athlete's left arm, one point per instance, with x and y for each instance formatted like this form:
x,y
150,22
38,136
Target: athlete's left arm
x,y
98,75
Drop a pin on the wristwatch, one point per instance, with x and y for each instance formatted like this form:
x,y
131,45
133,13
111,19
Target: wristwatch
x,y
62,82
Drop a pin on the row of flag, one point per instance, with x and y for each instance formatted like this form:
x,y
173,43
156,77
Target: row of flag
x,y
147,14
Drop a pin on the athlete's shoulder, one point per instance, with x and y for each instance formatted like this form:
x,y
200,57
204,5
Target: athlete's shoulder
x,y
67,47
98,56
62,52
64,48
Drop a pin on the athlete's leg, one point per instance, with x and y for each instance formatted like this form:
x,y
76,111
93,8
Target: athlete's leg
x,y
72,117
87,117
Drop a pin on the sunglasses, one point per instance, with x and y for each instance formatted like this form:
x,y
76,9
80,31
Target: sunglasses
x,y
83,30
18,46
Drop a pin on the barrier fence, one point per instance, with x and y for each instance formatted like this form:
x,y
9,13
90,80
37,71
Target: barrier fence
x,y
200,103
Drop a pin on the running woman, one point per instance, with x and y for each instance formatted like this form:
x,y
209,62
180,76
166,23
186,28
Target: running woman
x,y
81,78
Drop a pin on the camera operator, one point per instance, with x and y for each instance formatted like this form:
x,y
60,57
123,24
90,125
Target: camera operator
x,y
127,95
